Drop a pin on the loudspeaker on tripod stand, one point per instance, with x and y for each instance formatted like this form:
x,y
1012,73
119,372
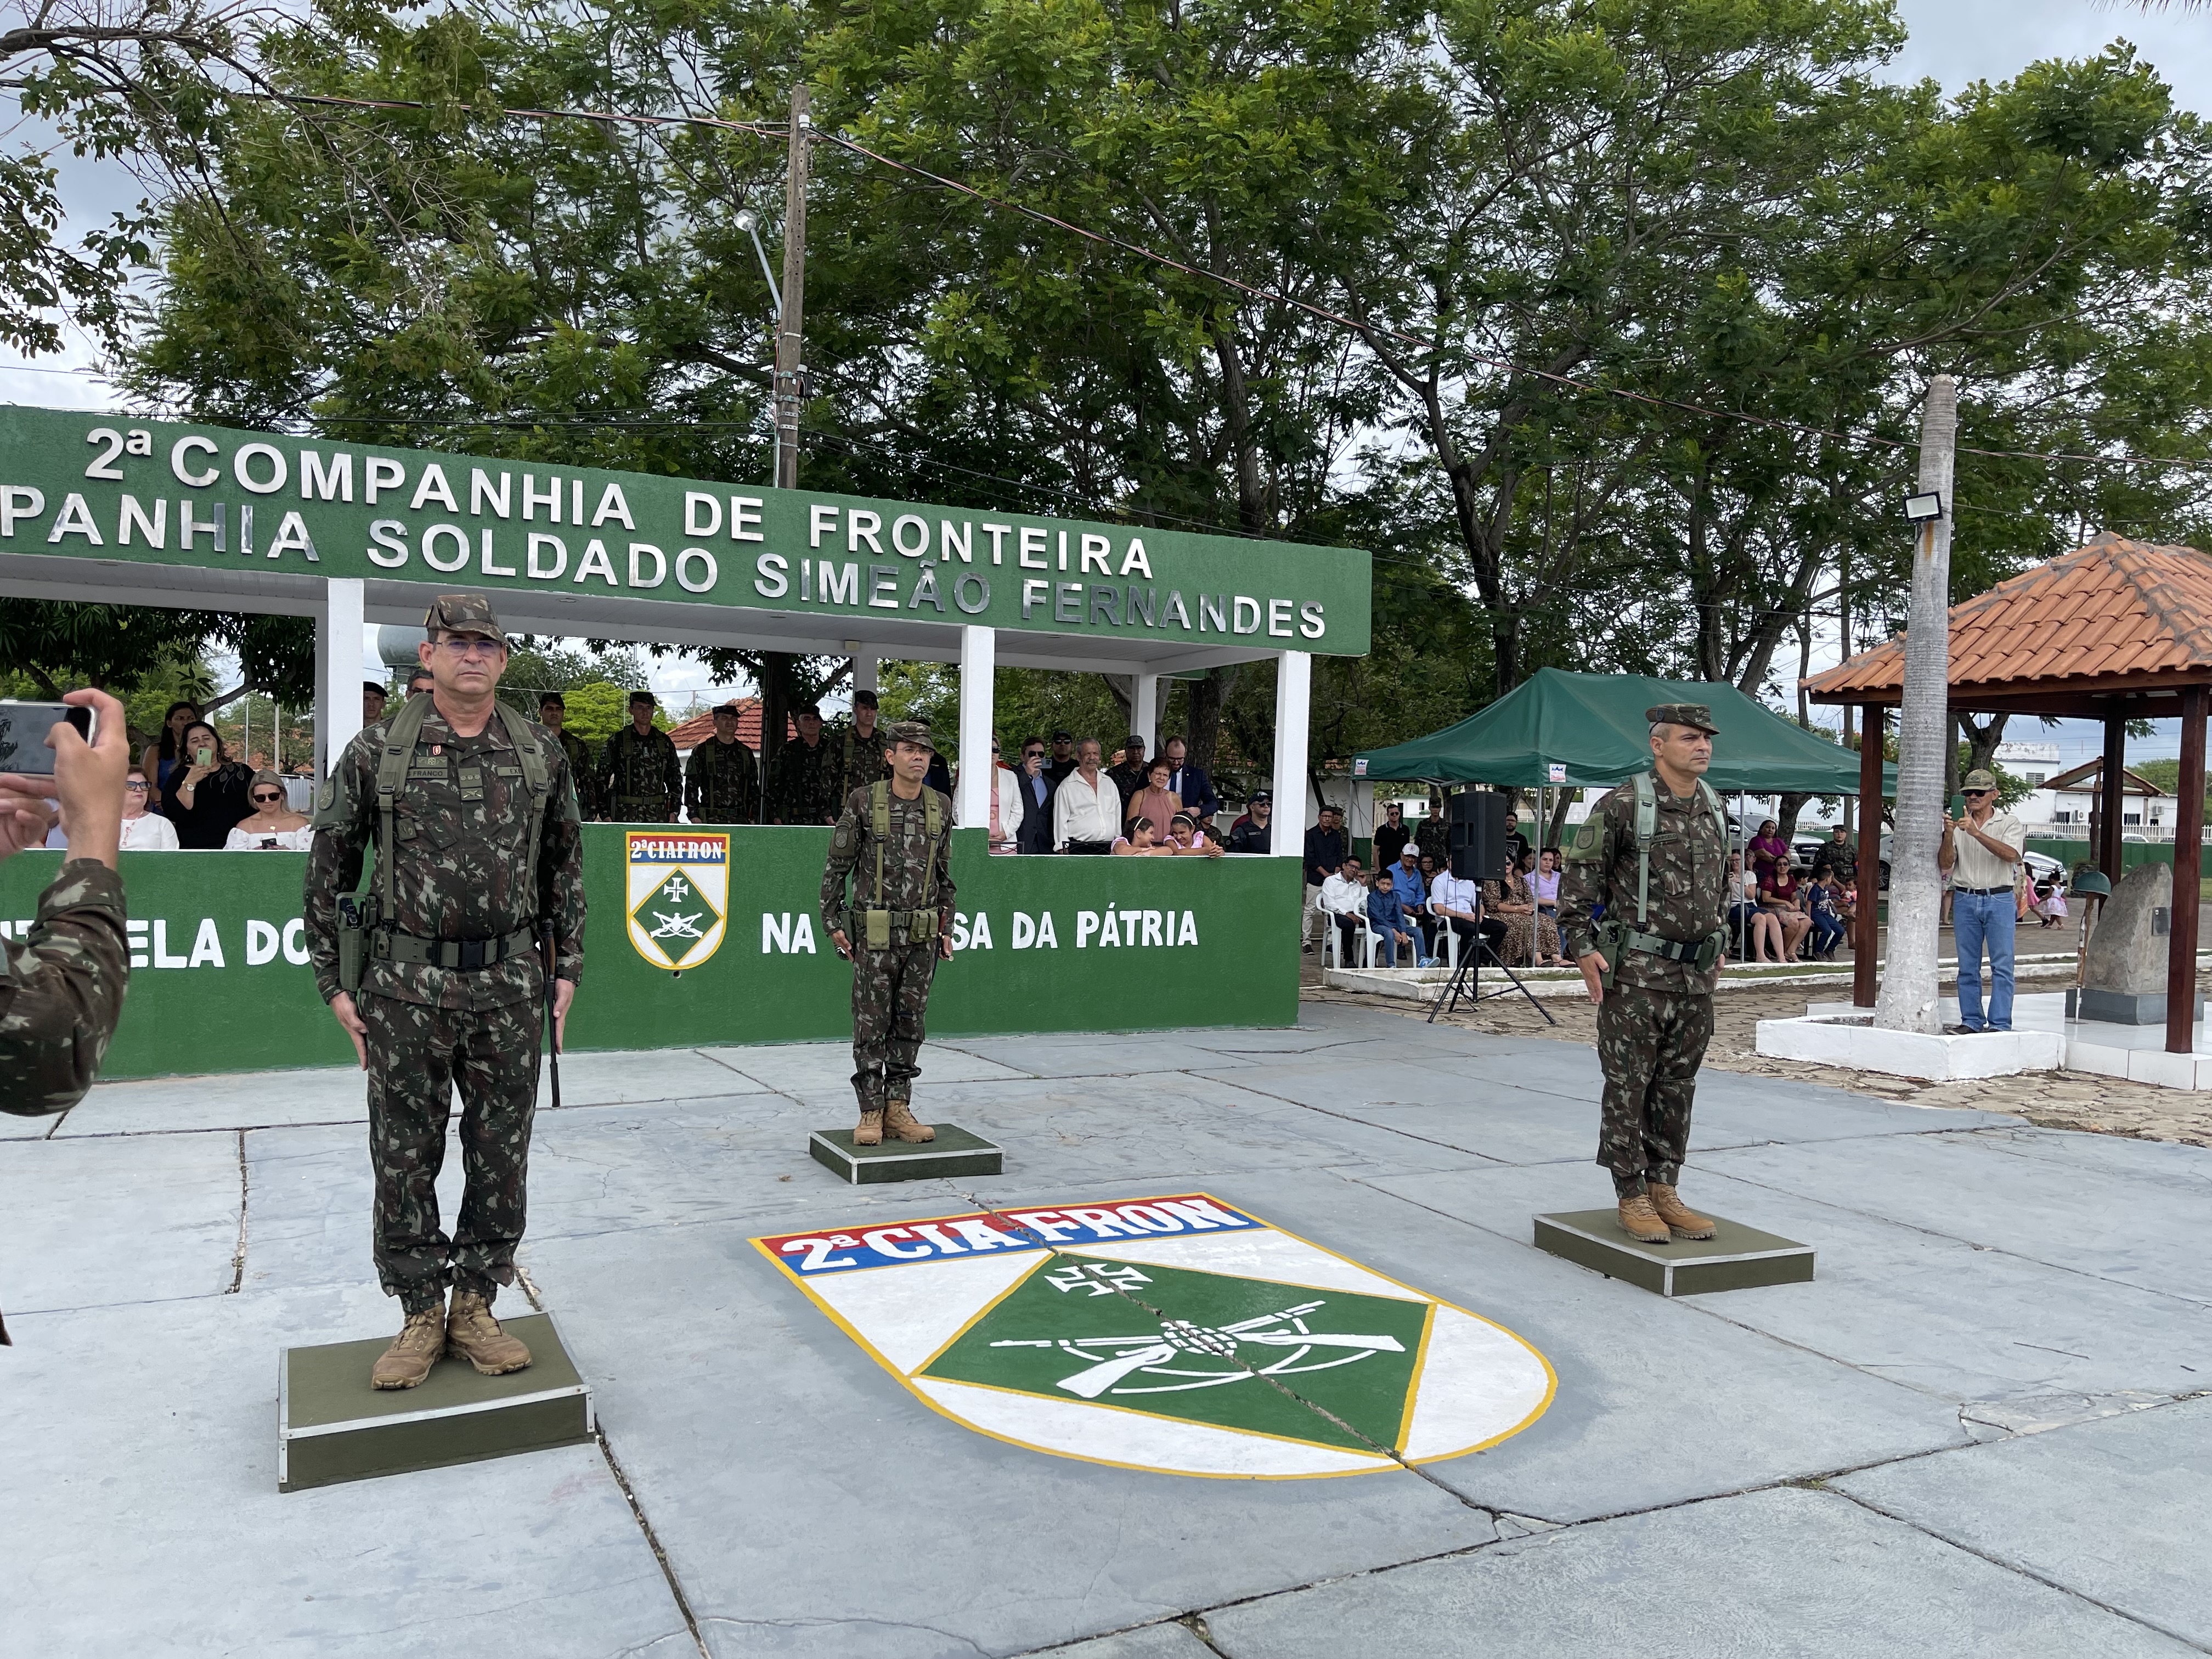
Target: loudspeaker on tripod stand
x,y
1477,835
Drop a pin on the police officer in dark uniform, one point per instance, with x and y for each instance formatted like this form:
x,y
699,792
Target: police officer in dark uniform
x,y
894,840
1653,853
640,779
438,972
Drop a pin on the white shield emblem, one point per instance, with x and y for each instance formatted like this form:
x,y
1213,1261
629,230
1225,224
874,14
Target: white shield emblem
x,y
1180,1335
679,894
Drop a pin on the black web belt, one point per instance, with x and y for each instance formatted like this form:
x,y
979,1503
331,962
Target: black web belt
x,y
467,954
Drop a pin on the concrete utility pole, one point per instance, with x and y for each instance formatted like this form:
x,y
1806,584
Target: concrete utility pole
x,y
1908,999
775,676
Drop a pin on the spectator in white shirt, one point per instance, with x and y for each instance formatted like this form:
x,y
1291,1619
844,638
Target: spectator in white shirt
x,y
1457,905
1343,897
273,826
1087,808
144,831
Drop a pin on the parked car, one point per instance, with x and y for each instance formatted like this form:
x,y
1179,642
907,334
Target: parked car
x,y
2041,866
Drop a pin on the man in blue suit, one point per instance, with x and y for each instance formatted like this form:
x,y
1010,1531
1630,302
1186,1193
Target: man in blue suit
x,y
1191,785
1036,789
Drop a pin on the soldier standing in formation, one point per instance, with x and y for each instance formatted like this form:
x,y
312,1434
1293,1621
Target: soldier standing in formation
x,y
802,785
435,972
721,780
894,839
639,781
859,748
1653,852
553,715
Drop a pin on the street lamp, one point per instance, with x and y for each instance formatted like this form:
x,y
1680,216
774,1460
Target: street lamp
x,y
749,223
1925,508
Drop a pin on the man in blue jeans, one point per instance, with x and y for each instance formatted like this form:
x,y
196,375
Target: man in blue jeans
x,y
1981,855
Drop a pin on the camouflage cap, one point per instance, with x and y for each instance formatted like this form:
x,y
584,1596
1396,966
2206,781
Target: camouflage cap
x,y
913,731
1977,779
462,613
1696,715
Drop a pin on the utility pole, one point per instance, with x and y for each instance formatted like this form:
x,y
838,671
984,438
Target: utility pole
x,y
790,375
1908,999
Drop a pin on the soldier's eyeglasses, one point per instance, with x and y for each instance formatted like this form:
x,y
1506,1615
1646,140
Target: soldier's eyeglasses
x,y
470,645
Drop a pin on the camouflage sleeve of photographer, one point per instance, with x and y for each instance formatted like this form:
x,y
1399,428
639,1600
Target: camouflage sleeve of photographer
x,y
61,991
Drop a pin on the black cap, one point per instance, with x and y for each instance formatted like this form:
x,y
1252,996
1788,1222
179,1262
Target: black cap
x,y
556,699
1063,737
863,698
646,697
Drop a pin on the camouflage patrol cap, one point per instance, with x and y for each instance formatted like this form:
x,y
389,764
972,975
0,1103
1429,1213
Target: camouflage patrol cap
x,y
913,731
1978,779
462,613
1696,715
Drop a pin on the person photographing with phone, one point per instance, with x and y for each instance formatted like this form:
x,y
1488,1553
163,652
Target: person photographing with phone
x,y
207,790
61,988
1980,852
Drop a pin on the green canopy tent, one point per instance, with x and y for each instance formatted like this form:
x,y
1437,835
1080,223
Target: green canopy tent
x,y
1559,729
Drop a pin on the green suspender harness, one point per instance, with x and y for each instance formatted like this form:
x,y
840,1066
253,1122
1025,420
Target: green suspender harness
x,y
1616,935
370,923
912,926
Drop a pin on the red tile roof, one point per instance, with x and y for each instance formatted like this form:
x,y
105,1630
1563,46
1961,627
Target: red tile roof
x,y
2116,616
689,734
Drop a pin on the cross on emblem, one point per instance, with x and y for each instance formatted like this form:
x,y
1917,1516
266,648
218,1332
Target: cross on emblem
x,y
1094,1277
676,889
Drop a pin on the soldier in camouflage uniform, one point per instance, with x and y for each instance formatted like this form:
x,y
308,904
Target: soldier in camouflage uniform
x,y
858,746
450,984
553,715
1652,961
640,779
802,784
898,925
721,780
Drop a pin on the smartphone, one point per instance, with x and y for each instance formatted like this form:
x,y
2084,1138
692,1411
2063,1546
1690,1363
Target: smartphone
x,y
203,757
23,728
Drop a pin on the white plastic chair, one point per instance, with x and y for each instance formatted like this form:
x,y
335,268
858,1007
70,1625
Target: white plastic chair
x,y
1333,947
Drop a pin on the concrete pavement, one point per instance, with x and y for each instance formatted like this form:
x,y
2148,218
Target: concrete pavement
x,y
1981,1430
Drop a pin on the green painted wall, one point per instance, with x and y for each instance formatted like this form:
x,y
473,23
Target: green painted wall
x,y
2132,853
1241,967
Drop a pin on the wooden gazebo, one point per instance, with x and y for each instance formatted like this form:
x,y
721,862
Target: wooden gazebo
x,y
2115,631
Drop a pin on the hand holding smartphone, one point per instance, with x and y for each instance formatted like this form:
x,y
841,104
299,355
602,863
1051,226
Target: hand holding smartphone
x,y
23,729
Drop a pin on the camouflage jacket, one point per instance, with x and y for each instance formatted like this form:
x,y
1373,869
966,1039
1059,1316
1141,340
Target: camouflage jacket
x,y
802,785
639,781
61,991
461,870
721,784
1688,895
581,771
909,858
859,760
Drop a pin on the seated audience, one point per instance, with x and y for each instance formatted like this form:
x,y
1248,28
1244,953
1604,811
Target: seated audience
x,y
1546,881
1530,939
1768,850
1142,841
1412,891
274,827
1824,907
1252,833
1752,931
144,831
1388,918
207,793
1344,899
1780,895
1456,905
1188,841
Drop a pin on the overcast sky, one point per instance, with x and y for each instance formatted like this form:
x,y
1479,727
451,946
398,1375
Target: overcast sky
x,y
1954,41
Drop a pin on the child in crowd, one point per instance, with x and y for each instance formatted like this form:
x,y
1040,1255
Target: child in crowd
x,y
1824,902
1388,918
2050,904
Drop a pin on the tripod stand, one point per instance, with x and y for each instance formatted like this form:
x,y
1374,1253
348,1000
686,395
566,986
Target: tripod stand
x,y
1468,974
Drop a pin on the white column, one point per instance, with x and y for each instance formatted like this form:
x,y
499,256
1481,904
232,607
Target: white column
x,y
864,674
1145,711
1293,715
979,653
338,668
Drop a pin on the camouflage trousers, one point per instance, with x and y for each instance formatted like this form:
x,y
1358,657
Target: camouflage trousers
x,y
1650,1044
890,993
417,1056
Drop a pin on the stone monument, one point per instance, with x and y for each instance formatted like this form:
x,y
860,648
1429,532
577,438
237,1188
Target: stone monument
x,y
2124,979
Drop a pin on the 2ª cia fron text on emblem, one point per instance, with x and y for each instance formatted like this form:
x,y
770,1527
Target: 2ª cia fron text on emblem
x,y
1179,1334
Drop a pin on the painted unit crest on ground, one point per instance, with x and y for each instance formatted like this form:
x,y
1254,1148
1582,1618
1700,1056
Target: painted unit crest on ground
x,y
1179,1334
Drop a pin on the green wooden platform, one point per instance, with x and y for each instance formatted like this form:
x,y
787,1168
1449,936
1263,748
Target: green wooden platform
x,y
1735,1258
954,1152
332,1426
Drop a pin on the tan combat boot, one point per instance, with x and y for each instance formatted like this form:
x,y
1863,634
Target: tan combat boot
x,y
471,1333
412,1352
1641,1222
899,1121
1671,1210
871,1131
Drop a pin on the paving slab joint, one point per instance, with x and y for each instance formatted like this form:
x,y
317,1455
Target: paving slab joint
x,y
238,1256
651,1539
